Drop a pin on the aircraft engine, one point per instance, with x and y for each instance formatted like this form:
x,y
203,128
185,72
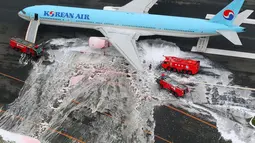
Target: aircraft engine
x,y
98,42
111,8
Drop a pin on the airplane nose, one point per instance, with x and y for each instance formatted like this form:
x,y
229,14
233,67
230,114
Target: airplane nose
x,y
19,13
22,14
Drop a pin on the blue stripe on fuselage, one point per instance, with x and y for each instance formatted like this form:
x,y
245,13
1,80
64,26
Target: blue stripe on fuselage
x,y
150,21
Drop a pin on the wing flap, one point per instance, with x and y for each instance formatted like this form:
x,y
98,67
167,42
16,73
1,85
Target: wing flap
x,y
139,6
231,36
125,43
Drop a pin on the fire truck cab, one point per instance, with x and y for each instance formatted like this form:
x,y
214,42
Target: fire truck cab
x,y
26,47
175,64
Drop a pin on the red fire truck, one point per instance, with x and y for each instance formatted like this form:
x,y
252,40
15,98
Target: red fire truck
x,y
177,89
26,47
175,64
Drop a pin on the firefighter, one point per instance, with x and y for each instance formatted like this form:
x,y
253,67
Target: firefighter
x,y
163,76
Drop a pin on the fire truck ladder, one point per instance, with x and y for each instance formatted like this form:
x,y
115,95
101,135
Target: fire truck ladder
x,y
32,29
203,42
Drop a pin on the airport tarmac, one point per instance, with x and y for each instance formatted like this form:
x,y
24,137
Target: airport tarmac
x,y
169,124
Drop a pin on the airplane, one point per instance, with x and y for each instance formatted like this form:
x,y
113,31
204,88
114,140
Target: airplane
x,y
122,26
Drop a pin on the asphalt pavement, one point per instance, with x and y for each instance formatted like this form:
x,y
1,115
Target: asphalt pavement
x,y
169,124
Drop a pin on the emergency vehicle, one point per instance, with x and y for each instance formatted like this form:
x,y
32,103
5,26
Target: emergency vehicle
x,y
177,89
26,47
187,66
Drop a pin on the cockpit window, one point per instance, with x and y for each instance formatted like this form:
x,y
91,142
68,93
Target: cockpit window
x,y
23,11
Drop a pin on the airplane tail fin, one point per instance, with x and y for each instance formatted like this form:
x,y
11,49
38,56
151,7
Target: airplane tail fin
x,y
228,14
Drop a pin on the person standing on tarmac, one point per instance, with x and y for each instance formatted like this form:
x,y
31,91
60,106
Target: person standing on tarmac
x,y
163,76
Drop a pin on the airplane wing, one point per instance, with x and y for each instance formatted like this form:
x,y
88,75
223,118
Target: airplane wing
x,y
125,43
139,6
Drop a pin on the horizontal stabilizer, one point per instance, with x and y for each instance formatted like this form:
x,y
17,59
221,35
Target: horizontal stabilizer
x,y
241,17
231,36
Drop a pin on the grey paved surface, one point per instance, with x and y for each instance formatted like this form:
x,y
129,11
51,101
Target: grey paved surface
x,y
12,25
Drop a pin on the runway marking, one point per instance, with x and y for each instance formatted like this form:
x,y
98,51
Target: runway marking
x,y
244,88
11,77
119,72
66,135
230,53
49,128
170,107
180,111
76,102
146,131
227,86
132,74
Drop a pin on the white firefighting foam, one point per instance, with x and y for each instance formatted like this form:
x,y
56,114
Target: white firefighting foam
x,y
10,137
50,99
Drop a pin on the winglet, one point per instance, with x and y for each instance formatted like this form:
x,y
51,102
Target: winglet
x,y
231,36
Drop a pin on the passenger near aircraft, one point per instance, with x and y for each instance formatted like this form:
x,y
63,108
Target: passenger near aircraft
x,y
122,26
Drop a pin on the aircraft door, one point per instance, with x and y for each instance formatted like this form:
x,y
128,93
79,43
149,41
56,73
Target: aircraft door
x,y
34,16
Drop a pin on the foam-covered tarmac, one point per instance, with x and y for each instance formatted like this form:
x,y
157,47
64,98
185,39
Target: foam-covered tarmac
x,y
169,124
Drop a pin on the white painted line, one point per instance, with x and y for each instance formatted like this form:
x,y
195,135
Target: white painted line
x,y
219,85
226,53
227,86
247,21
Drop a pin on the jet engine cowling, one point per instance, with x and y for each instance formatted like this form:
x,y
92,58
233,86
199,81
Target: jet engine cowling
x,y
98,42
111,8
